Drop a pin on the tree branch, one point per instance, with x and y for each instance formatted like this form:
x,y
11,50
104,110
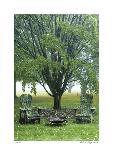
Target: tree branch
x,y
45,89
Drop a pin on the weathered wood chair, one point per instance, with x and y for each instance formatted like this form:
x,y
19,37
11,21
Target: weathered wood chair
x,y
80,118
27,113
85,114
28,116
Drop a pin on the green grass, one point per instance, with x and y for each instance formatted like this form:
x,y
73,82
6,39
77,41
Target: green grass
x,y
70,131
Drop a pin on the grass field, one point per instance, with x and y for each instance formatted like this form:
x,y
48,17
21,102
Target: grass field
x,y
69,132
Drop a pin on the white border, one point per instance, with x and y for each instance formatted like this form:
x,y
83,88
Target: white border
x,y
7,11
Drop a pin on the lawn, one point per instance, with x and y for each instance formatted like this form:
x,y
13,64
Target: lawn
x,y
70,131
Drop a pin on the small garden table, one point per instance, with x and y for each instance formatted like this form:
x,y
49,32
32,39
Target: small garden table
x,y
57,120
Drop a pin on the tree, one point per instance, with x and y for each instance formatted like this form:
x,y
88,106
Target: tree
x,y
87,74
49,49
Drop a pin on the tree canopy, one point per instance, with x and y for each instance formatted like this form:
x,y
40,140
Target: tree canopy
x,y
56,50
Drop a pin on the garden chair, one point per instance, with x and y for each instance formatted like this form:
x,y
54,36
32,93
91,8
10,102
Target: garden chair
x,y
27,113
28,116
85,114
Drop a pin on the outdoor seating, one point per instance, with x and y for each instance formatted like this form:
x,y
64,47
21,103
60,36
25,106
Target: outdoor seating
x,y
28,116
83,118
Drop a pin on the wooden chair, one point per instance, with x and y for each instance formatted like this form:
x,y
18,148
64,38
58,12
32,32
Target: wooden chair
x,y
84,115
28,116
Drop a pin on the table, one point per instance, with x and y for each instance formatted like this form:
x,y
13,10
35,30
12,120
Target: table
x,y
57,120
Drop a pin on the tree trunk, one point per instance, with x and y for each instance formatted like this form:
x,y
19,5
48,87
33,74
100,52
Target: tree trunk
x,y
57,102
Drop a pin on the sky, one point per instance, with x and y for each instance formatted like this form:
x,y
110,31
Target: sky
x,y
40,89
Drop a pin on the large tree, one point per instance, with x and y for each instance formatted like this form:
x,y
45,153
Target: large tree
x,y
54,49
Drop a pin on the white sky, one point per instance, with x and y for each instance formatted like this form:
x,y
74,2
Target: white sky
x,y
40,89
